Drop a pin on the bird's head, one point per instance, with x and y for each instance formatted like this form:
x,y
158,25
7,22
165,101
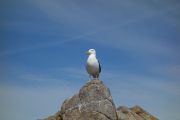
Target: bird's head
x,y
91,51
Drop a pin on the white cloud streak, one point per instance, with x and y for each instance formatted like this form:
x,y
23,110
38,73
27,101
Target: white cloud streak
x,y
108,33
70,13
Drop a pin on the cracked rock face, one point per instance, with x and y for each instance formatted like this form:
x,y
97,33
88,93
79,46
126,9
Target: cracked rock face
x,y
94,102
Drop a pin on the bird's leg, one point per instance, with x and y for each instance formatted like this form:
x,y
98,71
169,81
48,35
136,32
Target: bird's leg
x,y
89,77
97,77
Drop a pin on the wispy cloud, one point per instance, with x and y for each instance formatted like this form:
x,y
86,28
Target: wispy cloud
x,y
105,33
109,33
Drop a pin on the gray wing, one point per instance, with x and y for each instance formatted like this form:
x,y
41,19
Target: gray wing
x,y
99,66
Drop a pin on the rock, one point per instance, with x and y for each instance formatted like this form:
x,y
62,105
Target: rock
x,y
141,112
125,113
57,116
94,102
134,113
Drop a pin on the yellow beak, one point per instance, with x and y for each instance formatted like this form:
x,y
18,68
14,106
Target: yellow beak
x,y
87,53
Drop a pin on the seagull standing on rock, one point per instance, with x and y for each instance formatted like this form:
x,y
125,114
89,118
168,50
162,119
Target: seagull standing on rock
x,y
93,66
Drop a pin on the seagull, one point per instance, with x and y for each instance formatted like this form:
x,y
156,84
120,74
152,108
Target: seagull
x,y
93,66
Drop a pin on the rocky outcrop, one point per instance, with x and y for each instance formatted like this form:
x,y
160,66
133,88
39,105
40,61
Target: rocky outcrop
x,y
134,113
125,113
142,113
94,102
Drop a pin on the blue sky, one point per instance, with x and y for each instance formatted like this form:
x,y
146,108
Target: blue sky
x,y
43,45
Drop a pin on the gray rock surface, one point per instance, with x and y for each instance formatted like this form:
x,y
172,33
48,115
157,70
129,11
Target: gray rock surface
x,y
94,102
